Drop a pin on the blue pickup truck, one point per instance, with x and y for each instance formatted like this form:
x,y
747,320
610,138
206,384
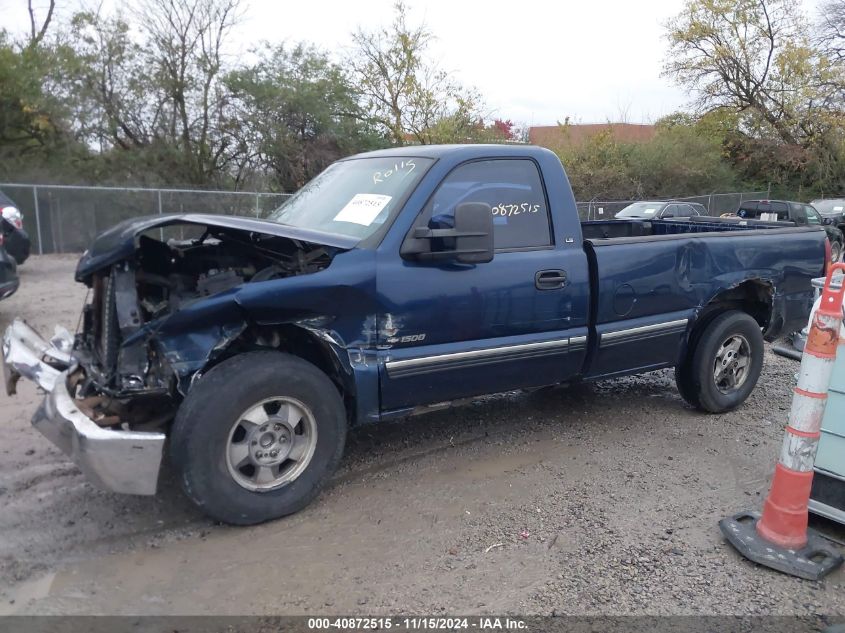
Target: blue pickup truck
x,y
394,281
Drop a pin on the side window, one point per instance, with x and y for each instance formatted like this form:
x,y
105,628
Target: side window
x,y
799,215
813,216
781,210
685,211
670,211
513,190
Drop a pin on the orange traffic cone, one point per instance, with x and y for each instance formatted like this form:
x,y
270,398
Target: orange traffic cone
x,y
780,538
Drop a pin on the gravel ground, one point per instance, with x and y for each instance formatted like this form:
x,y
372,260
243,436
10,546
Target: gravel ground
x,y
599,499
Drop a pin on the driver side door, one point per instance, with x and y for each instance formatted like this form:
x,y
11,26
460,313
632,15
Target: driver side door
x,y
449,330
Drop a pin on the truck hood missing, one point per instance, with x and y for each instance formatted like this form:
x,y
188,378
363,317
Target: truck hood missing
x,y
120,241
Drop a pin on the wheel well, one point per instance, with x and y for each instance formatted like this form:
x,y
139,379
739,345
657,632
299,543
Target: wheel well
x,y
753,297
298,342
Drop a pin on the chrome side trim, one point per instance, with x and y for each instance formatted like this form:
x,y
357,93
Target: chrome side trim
x,y
409,365
655,328
829,512
829,474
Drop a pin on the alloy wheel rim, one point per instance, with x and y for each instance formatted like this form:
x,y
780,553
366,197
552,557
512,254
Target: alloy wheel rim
x,y
732,363
271,444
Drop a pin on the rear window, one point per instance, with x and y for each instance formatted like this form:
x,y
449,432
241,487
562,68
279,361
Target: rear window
x,y
764,210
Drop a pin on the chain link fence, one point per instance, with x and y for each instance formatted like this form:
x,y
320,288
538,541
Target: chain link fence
x,y
715,203
65,219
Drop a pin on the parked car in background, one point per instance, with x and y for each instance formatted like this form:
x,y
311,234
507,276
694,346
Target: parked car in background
x,y
799,213
8,273
833,209
660,210
16,240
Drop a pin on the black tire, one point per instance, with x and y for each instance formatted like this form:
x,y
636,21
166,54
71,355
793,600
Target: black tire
x,y
683,380
201,434
697,382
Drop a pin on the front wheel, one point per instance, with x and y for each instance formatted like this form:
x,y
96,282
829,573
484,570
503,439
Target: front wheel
x,y
257,437
725,364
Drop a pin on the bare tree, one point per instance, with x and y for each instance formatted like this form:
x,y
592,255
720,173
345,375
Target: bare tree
x,y
832,29
37,33
403,91
185,40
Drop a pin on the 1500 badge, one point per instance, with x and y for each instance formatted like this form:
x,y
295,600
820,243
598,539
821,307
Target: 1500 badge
x,y
410,338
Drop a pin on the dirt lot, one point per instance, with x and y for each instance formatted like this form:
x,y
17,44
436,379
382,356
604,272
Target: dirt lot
x,y
592,500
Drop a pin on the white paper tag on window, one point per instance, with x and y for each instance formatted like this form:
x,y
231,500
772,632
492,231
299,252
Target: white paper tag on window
x,y
837,208
649,211
363,208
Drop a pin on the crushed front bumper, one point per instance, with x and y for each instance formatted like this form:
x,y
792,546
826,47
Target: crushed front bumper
x,y
115,460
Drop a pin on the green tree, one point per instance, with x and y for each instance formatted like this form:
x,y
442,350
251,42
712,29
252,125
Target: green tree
x,y
684,158
751,57
297,112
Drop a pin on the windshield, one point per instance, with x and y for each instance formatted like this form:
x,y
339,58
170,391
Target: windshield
x,y
829,207
641,210
353,197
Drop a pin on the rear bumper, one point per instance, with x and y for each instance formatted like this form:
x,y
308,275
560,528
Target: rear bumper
x,y
116,460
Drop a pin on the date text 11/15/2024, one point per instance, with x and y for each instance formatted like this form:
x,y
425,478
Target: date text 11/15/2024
x,y
418,623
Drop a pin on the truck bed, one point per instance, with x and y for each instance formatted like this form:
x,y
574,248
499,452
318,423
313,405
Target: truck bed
x,y
615,229
650,278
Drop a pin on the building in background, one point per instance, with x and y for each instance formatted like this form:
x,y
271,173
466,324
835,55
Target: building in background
x,y
573,134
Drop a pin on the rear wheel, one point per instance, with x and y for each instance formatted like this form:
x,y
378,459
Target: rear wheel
x,y
835,252
725,364
257,437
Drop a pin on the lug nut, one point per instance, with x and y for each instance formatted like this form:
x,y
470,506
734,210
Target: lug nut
x,y
274,453
263,428
277,427
255,442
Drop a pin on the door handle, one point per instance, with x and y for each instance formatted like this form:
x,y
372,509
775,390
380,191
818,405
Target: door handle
x,y
550,279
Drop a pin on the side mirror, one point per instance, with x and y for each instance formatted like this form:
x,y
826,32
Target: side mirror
x,y
827,220
470,242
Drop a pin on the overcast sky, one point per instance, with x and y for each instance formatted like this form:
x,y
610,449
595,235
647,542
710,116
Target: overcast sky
x,y
534,61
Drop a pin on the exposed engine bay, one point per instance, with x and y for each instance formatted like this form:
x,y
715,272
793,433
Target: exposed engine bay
x,y
123,375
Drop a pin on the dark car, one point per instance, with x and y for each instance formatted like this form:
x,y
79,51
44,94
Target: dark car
x,y
661,210
8,273
833,208
798,212
16,239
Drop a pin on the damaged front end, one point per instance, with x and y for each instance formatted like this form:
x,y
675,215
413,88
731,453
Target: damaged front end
x,y
116,459
162,307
